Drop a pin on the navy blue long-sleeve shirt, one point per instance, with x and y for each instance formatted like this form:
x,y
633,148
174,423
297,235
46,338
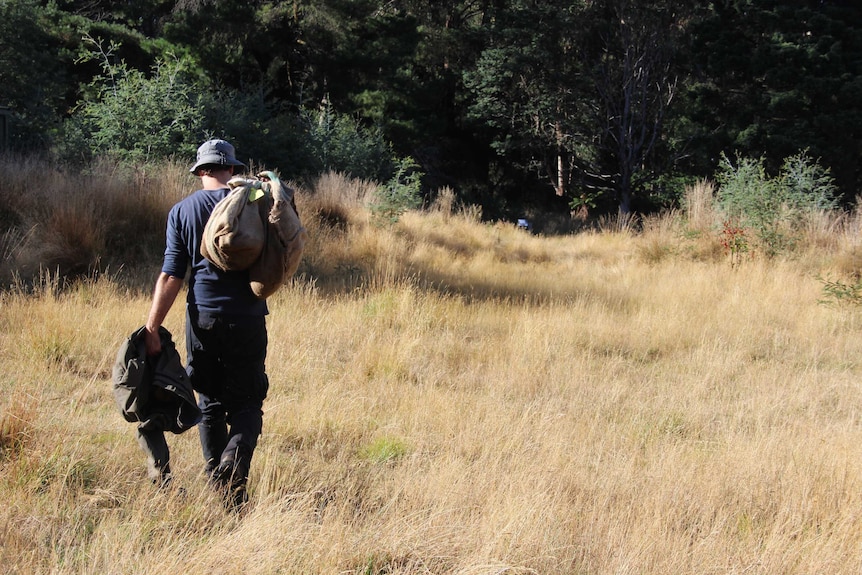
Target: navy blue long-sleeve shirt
x,y
210,289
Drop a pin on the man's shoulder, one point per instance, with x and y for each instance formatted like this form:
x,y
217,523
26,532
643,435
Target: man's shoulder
x,y
198,198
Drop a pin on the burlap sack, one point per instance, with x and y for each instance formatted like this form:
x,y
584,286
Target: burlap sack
x,y
235,235
284,244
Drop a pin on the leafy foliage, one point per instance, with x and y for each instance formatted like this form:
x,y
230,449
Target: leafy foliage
x,y
578,94
734,242
136,118
363,56
773,78
608,103
400,194
260,130
340,143
837,292
240,43
774,206
32,73
527,87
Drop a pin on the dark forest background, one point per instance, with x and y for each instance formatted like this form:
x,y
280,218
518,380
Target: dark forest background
x,y
592,106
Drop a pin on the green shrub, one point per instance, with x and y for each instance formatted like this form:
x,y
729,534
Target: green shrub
x,y
339,143
806,185
400,194
140,118
773,207
136,118
261,132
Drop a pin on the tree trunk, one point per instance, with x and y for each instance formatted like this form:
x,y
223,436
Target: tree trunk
x,y
561,166
625,197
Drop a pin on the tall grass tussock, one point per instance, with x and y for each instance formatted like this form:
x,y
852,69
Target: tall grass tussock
x,y
447,396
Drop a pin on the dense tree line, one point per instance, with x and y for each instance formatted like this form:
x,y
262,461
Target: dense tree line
x,y
587,104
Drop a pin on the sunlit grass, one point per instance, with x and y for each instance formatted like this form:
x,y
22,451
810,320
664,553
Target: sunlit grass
x,y
451,396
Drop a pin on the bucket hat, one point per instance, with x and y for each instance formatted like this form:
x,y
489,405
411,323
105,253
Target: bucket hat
x,y
216,152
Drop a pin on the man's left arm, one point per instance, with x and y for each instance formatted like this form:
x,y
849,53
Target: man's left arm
x,y
164,295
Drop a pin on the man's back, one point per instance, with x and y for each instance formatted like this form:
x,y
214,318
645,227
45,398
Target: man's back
x,y
210,289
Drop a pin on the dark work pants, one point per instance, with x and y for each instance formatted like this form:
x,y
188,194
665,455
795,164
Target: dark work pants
x,y
226,357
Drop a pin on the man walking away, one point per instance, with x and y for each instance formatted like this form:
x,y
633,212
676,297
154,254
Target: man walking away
x,y
226,335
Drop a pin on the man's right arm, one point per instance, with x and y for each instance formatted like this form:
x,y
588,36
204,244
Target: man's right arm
x,y
164,295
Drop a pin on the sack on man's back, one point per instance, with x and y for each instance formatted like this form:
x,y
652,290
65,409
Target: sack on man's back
x,y
284,244
256,227
234,235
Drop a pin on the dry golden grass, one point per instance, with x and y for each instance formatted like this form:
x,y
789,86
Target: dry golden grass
x,y
81,224
463,398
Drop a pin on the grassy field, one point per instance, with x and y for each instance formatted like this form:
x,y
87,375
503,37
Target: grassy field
x,y
455,397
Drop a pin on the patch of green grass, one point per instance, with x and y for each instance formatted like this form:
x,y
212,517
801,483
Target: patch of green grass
x,y
384,449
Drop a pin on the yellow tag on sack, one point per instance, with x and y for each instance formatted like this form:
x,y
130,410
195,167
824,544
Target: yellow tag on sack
x,y
255,194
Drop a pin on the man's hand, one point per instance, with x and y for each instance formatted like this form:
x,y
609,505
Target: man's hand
x,y
153,341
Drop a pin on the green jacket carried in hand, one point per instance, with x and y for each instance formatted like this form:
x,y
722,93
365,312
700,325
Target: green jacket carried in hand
x,y
154,391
